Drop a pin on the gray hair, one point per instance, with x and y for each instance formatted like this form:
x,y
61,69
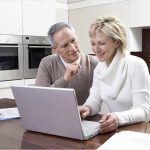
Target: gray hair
x,y
55,28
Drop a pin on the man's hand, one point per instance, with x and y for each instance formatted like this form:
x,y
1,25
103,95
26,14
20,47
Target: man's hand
x,y
109,122
84,111
71,71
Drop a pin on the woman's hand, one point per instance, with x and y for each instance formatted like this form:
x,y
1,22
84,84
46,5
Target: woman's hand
x,y
84,111
109,122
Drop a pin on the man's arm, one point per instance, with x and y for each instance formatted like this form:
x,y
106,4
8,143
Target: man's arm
x,y
44,75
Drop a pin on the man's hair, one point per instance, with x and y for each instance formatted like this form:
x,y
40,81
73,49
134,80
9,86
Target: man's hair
x,y
55,28
112,27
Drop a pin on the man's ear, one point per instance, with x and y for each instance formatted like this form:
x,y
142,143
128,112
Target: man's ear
x,y
55,49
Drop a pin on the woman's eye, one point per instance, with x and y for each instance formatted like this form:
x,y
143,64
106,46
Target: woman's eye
x,y
102,43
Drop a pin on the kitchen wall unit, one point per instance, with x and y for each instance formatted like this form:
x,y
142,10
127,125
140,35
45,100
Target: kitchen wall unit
x,y
145,53
139,13
38,16
11,17
135,39
26,17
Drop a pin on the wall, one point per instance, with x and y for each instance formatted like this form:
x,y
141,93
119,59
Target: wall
x,y
73,1
61,11
81,19
69,1
61,15
61,1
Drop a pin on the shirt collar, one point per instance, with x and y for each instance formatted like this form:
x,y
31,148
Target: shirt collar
x,y
66,64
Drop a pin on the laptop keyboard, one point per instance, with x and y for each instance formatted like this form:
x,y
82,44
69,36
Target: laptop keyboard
x,y
90,128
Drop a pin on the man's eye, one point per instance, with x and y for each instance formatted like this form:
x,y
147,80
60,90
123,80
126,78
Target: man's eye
x,y
73,41
93,44
65,45
102,43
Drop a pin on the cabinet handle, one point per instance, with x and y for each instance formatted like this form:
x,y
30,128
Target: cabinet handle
x,y
8,46
40,47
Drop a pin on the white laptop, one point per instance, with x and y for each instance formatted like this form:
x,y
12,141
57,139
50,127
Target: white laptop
x,y
52,111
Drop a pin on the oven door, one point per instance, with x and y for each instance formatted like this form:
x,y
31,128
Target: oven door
x,y
32,58
11,62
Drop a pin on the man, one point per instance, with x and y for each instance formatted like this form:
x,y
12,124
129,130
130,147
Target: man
x,y
67,68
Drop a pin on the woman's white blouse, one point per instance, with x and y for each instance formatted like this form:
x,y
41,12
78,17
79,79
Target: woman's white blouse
x,y
124,87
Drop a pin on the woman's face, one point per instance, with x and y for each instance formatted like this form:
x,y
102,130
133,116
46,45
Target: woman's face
x,y
104,47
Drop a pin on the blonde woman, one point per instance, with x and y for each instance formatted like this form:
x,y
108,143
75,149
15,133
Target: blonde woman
x,y
120,80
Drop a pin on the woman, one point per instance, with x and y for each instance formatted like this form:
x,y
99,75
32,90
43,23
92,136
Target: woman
x,y
120,80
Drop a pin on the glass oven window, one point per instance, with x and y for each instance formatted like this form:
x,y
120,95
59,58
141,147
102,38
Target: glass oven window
x,y
36,54
9,57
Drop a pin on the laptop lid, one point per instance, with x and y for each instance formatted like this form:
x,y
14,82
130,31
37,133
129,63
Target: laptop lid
x,y
49,110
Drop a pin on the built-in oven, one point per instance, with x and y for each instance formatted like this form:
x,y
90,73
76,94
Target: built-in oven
x,y
35,48
11,57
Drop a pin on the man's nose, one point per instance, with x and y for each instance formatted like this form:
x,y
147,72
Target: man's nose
x,y
72,47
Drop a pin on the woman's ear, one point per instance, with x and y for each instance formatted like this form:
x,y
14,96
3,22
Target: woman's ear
x,y
118,42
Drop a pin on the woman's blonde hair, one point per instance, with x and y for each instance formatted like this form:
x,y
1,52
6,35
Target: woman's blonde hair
x,y
113,28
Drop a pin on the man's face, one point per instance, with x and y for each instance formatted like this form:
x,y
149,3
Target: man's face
x,y
67,45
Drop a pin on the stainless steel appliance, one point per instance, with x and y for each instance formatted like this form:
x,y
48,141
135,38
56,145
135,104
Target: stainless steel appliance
x,y
35,48
11,57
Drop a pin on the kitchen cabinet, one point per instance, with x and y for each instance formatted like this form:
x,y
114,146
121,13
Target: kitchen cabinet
x,y
135,39
139,13
38,16
5,88
29,82
26,17
11,17
6,93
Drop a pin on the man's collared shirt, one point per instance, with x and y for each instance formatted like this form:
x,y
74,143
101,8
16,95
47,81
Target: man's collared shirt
x,y
66,64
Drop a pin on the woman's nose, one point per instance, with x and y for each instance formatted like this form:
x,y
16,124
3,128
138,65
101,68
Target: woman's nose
x,y
96,48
